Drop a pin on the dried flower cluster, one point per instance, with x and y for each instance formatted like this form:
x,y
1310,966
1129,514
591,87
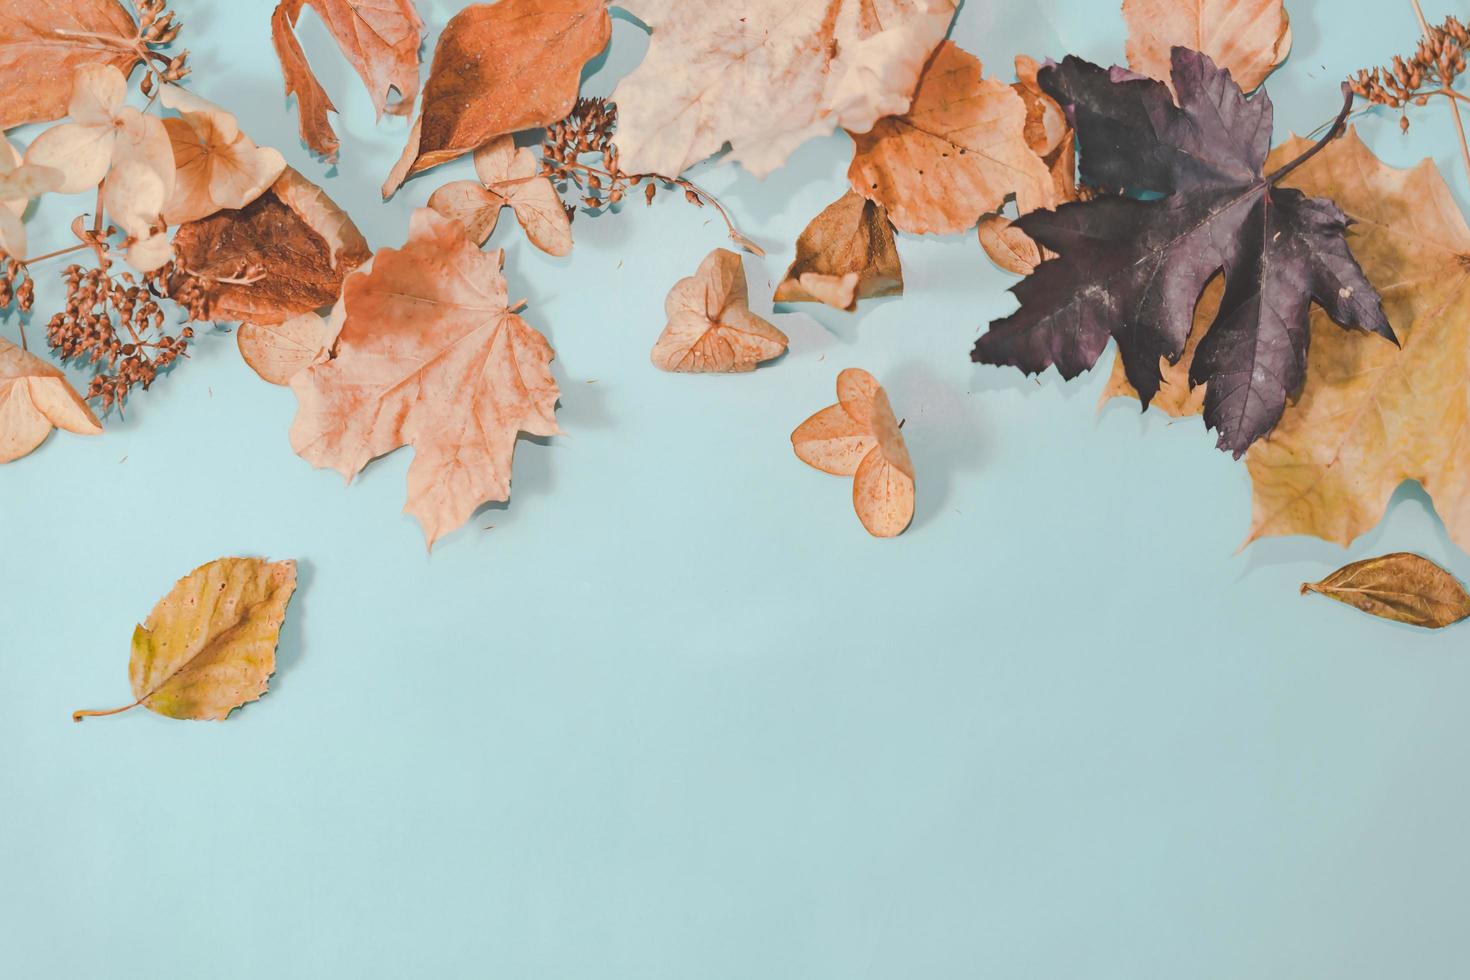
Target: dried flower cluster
x,y
158,28
85,328
15,285
1431,70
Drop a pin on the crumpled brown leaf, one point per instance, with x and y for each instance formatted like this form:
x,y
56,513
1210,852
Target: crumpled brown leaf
x,y
860,438
380,38
1402,587
209,646
1248,37
498,69
711,328
845,254
44,42
34,398
957,153
305,244
216,165
767,75
429,355
508,178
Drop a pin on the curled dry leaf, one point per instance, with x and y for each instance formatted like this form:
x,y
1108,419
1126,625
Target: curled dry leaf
x,y
429,355
34,398
304,244
1402,587
508,178
711,328
217,166
1248,38
860,438
42,44
957,153
209,646
498,69
381,40
847,253
767,75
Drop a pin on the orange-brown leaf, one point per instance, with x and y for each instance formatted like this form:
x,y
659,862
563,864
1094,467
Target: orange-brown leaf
x,y
1247,37
304,243
959,151
845,254
500,68
711,328
429,355
859,437
1402,587
42,44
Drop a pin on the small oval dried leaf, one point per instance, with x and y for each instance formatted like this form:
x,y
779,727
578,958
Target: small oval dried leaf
x,y
1008,246
859,437
1402,587
276,351
711,328
209,646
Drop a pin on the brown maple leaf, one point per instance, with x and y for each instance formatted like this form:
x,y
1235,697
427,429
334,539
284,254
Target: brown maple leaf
x,y
429,355
711,328
299,241
381,40
845,254
42,44
1247,37
957,153
860,438
501,68
508,178
34,398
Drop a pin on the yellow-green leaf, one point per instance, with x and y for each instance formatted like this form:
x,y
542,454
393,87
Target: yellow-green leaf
x,y
209,646
1402,587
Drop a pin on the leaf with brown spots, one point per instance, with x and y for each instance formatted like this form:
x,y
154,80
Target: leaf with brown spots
x,y
303,242
847,253
209,646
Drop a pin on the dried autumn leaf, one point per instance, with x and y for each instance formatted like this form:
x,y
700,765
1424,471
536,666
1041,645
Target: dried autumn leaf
x,y
508,178
42,44
380,38
859,437
429,355
217,166
34,398
957,153
845,254
302,241
276,351
1198,202
1247,38
711,328
498,69
767,75
1008,246
209,646
1402,587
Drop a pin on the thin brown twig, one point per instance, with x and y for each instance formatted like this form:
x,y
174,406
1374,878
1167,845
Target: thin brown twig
x,y
1454,97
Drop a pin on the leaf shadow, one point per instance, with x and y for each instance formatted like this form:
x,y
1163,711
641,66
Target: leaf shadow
x,y
943,432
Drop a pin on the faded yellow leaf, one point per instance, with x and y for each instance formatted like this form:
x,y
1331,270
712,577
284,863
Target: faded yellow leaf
x,y
209,646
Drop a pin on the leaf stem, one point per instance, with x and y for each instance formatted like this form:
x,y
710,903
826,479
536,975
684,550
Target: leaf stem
x,y
79,715
60,251
1333,132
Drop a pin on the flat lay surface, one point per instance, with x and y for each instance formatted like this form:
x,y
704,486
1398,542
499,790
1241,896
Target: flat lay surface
x,y
671,712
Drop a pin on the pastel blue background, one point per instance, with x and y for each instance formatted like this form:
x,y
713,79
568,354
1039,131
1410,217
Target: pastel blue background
x,y
672,714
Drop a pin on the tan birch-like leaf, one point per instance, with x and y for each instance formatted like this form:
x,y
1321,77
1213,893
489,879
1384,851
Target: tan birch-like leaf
x,y
430,356
209,646
509,178
35,398
380,38
845,254
1402,587
500,68
767,75
1247,37
711,328
302,241
217,166
958,152
859,437
44,42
